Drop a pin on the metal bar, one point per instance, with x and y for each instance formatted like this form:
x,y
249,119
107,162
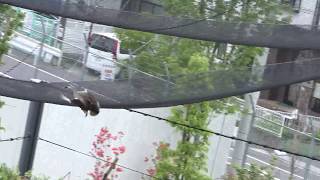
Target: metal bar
x,y
38,57
29,145
253,115
86,53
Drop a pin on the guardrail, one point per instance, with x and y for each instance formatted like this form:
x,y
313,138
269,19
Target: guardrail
x,y
274,121
266,119
32,46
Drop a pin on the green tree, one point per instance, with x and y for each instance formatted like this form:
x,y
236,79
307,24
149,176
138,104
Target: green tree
x,y
1,128
179,55
252,172
10,20
10,174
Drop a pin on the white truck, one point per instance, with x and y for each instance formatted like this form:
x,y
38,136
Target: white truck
x,y
104,52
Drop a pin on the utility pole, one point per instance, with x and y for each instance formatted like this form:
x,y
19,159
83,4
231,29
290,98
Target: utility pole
x,y
246,122
240,148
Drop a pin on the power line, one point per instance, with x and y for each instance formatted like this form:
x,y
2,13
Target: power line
x,y
212,132
204,19
194,22
200,129
14,139
92,156
222,135
208,131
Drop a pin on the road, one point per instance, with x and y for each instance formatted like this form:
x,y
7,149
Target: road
x,y
20,66
281,165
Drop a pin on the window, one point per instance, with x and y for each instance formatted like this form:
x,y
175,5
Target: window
x,y
149,7
315,105
102,43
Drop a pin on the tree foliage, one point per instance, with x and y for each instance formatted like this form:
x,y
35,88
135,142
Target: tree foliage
x,y
252,172
10,20
179,55
1,128
7,173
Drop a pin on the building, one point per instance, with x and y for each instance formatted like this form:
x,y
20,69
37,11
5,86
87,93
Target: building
x,y
303,96
150,6
73,30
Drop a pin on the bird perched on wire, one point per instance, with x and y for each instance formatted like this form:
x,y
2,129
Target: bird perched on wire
x,y
81,97
85,100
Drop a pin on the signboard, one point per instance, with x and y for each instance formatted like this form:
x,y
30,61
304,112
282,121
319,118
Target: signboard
x,y
108,71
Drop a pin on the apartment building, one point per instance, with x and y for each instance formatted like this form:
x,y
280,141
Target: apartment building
x,y
303,96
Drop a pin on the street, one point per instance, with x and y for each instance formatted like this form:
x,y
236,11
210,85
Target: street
x,y
281,165
20,66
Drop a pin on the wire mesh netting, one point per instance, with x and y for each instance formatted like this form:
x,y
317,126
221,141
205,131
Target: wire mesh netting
x,y
142,90
267,35
133,88
130,87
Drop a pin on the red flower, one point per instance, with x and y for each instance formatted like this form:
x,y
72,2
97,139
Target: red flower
x,y
101,145
103,131
146,159
122,149
100,153
151,171
101,140
114,138
119,169
109,135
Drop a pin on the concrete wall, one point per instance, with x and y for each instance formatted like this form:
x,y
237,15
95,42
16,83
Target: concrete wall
x,y
13,117
219,150
69,127
305,15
